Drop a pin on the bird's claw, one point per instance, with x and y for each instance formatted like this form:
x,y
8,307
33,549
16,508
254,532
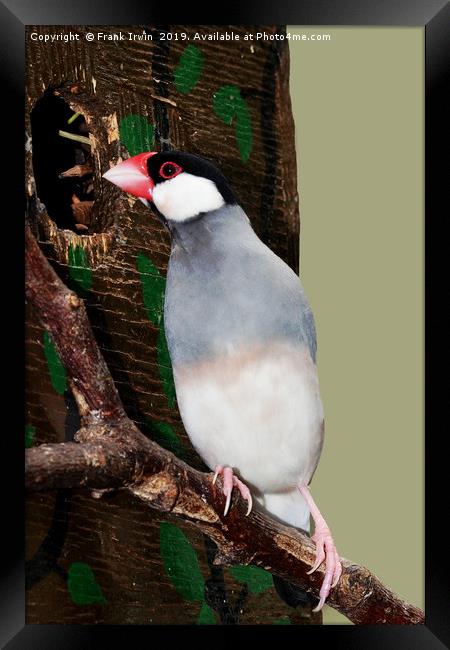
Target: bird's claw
x,y
230,481
228,494
219,469
326,550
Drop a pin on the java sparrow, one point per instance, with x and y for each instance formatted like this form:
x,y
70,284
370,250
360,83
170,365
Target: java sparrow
x,y
242,341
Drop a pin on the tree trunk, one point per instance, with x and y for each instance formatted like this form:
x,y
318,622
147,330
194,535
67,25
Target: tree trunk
x,y
114,560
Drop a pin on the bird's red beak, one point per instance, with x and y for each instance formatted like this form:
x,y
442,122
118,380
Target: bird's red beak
x,y
132,176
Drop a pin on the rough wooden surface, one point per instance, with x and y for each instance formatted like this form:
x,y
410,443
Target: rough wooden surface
x,y
114,452
112,82
59,308
107,82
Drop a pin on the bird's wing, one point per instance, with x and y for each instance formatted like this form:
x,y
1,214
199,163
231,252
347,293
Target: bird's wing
x,y
234,293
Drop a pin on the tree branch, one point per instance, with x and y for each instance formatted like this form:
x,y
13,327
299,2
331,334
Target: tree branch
x,y
63,314
112,452
69,464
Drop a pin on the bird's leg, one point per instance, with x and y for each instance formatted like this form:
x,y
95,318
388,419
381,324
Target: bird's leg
x,y
325,549
230,481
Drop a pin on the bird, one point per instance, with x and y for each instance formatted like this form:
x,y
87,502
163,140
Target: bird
x,y
242,342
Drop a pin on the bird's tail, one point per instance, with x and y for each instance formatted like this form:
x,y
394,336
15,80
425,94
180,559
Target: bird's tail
x,y
290,508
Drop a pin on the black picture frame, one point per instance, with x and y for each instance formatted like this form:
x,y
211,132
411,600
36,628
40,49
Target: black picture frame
x,y
434,16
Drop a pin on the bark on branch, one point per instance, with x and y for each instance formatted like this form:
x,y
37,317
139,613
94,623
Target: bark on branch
x,y
113,453
63,314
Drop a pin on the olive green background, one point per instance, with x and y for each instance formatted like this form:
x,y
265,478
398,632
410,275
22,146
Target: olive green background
x,y
358,104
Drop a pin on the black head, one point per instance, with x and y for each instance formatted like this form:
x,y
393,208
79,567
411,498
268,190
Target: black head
x,y
160,170
181,186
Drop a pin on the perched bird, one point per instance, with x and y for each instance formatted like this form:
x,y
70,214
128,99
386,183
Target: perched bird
x,y
242,341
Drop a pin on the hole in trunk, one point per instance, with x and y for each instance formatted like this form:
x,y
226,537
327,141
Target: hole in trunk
x,y
62,162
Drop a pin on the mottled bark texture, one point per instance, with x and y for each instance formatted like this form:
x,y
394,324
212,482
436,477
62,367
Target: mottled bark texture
x,y
133,96
63,314
114,453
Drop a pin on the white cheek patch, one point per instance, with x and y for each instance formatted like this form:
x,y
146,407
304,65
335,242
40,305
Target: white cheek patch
x,y
185,196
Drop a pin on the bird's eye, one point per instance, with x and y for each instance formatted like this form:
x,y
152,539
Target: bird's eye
x,y
169,170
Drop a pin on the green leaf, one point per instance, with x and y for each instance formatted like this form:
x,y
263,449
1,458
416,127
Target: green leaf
x,y
228,104
153,287
79,269
166,437
285,620
136,133
181,563
165,366
224,102
258,580
30,430
83,587
55,367
206,616
189,69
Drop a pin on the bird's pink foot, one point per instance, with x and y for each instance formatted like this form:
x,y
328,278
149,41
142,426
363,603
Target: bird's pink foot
x,y
230,481
325,550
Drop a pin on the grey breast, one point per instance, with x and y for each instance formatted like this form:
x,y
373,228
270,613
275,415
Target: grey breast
x,y
226,288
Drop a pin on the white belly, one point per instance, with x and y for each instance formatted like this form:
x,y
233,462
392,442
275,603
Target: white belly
x,y
257,411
